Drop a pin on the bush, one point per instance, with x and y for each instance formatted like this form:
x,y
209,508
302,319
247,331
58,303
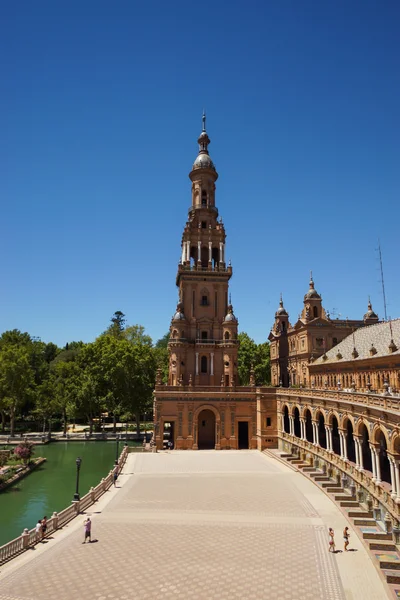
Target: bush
x,y
24,451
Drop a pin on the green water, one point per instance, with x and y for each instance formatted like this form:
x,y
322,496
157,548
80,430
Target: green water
x,y
51,487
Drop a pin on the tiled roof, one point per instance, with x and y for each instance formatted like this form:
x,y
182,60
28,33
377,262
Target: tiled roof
x,y
377,335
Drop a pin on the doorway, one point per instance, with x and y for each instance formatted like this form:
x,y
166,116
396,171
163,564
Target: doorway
x,y
206,430
243,435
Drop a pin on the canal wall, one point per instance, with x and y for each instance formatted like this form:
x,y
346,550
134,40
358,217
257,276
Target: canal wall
x,y
29,538
23,472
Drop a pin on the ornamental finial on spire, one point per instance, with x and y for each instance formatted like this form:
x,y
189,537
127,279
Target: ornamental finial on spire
x,y
204,120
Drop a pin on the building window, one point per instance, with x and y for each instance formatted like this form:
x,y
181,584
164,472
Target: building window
x,y
302,343
204,301
204,198
203,225
204,336
334,342
227,335
203,367
315,310
268,421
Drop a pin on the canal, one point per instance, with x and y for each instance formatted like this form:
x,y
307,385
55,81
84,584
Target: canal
x,y
51,487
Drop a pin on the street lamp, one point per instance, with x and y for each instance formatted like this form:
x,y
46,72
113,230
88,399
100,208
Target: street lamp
x,y
117,453
78,466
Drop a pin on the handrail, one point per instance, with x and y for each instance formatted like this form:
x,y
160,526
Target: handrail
x,y
29,538
388,402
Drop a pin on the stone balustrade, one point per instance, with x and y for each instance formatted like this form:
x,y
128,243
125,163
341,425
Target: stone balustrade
x,y
28,538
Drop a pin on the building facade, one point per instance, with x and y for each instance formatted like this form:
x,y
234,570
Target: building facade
x,y
294,347
203,406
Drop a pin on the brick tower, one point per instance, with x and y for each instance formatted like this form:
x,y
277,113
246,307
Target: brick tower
x,y
202,406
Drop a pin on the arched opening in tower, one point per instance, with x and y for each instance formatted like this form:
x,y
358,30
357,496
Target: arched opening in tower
x,y
206,429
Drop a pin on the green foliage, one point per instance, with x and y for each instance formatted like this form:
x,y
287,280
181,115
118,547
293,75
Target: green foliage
x,y
253,355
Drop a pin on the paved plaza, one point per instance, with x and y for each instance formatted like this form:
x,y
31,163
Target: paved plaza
x,y
204,526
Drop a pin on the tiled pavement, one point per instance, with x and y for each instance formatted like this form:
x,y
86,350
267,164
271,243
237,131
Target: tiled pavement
x,y
202,526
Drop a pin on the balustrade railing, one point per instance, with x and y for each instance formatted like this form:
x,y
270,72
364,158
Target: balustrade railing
x,y
377,492
388,402
29,537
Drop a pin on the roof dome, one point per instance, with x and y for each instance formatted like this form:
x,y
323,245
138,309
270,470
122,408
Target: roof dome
x,y
312,292
179,316
230,317
203,161
370,314
281,310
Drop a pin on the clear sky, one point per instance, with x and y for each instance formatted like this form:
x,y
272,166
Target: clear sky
x,y
100,110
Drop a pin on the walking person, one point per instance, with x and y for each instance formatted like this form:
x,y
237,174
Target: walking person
x,y
346,536
87,524
38,531
44,526
115,474
331,540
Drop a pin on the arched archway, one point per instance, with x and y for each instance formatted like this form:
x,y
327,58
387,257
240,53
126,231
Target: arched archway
x,y
321,430
309,427
350,446
365,449
206,430
383,458
296,418
335,436
286,422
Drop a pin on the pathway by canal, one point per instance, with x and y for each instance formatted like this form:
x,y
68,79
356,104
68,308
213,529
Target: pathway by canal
x,y
51,487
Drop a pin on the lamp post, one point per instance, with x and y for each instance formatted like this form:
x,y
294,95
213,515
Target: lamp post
x,y
117,449
78,467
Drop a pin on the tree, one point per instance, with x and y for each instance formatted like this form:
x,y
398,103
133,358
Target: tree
x,y
117,325
135,335
67,380
162,356
16,379
46,401
253,355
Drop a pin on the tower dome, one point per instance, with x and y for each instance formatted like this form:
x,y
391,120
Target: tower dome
x,y
179,316
281,310
370,315
203,160
312,292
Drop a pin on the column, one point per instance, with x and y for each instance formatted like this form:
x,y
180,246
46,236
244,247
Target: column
x,y
397,478
392,476
197,363
291,423
378,466
302,429
328,438
360,455
209,251
344,444
183,253
316,434
373,461
357,451
341,444
223,252
199,251
188,251
282,422
212,363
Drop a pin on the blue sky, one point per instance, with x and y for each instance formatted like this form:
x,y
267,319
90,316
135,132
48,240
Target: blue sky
x,y
100,110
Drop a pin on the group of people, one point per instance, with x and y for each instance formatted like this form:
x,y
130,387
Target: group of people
x,y
41,528
346,535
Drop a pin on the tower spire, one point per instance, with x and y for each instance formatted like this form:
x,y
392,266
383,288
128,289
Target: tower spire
x,y
204,120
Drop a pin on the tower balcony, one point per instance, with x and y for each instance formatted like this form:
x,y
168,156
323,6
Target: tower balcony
x,y
200,206
219,268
